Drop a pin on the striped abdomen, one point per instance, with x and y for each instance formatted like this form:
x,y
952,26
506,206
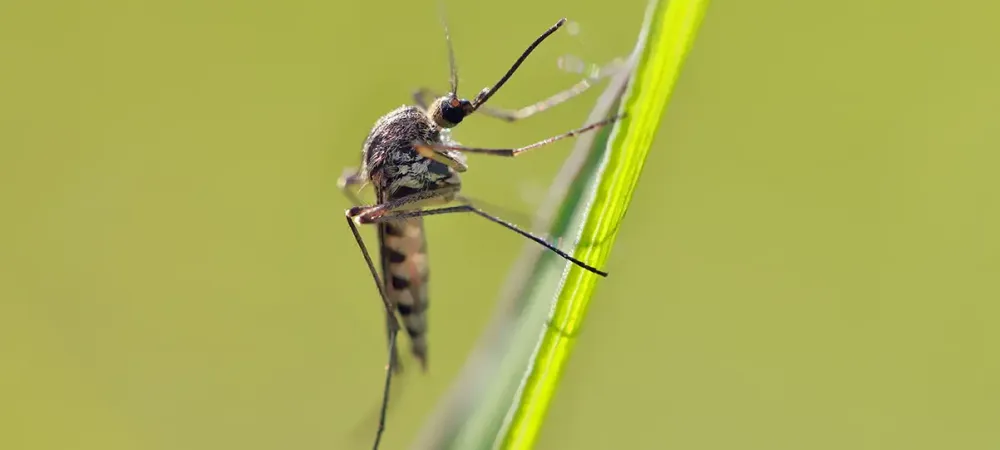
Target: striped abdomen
x,y
403,248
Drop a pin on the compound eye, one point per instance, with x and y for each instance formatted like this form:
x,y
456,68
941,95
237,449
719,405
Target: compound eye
x,y
453,112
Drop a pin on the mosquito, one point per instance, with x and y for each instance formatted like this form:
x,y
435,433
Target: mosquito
x,y
413,164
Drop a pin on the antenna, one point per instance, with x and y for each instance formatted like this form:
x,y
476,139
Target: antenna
x,y
485,94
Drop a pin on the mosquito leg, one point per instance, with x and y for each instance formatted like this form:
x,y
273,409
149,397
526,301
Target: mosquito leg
x,y
352,177
470,208
511,152
357,215
503,211
385,390
530,110
369,214
393,324
559,97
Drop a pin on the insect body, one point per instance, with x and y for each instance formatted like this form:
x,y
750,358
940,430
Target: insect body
x,y
413,165
400,174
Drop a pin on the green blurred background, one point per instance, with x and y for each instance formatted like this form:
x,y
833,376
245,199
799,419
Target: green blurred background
x,y
808,261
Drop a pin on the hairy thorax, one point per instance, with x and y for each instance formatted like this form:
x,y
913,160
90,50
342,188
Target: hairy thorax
x,y
392,163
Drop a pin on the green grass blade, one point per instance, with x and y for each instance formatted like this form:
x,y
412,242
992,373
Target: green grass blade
x,y
668,34
500,396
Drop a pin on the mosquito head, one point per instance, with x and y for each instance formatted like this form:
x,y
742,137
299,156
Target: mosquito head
x,y
448,111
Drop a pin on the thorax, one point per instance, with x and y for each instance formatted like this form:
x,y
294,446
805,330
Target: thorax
x,y
394,166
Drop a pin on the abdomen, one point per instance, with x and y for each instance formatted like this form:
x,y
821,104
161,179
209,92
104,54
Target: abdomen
x,y
403,249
